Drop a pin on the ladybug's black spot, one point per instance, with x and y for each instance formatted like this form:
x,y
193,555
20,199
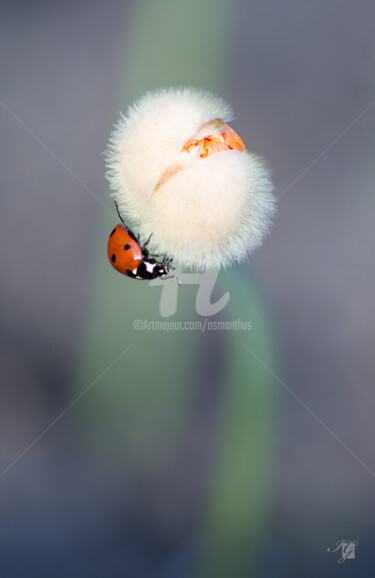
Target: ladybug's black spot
x,y
114,230
113,258
127,246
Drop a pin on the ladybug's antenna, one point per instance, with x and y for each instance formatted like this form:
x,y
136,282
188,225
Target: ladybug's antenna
x,y
129,231
119,214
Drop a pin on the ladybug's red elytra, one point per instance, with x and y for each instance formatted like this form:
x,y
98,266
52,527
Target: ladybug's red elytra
x,y
130,258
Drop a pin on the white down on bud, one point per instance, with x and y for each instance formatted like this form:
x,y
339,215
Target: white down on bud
x,y
180,173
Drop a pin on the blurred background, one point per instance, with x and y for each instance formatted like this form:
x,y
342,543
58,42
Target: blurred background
x,y
187,454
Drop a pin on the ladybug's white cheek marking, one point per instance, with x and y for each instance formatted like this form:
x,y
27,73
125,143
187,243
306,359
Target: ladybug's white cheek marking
x,y
134,271
150,267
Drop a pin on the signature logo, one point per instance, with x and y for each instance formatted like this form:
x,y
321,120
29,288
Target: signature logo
x,y
347,550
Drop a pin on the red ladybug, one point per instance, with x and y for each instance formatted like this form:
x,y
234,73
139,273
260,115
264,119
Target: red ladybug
x,y
130,258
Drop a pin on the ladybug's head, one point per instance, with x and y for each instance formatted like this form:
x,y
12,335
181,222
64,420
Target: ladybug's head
x,y
161,270
151,269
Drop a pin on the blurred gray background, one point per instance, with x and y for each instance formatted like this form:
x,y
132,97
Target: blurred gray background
x,y
298,75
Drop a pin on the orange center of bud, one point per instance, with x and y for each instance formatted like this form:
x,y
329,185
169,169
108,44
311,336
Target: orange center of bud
x,y
213,137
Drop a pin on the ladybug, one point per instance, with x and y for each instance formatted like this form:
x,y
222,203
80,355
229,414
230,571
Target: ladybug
x,y
130,258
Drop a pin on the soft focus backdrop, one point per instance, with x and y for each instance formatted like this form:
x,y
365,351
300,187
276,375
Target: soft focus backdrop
x,y
187,454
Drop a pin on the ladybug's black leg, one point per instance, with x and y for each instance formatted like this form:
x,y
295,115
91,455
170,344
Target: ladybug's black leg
x,y
172,277
147,242
159,258
167,262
